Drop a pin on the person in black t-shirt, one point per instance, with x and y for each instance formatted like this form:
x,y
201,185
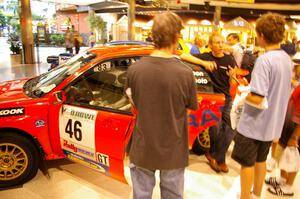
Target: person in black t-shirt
x,y
221,74
161,88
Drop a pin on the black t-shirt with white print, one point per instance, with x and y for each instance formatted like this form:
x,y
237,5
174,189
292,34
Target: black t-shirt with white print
x,y
219,77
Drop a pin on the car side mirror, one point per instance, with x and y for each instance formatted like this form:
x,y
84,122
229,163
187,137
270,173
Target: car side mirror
x,y
57,97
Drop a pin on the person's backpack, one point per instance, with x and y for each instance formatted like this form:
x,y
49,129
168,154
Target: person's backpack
x,y
248,62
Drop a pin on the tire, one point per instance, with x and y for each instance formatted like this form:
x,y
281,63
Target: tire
x,y
19,159
201,144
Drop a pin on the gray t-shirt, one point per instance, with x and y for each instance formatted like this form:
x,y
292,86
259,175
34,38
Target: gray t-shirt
x,y
271,78
162,89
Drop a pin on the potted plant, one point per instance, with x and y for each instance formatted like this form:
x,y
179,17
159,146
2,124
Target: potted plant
x,y
16,49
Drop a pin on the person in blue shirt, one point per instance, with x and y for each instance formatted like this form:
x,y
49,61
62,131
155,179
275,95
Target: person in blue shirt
x,y
198,47
266,104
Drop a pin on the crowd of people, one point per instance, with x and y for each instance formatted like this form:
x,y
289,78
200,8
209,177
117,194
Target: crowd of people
x,y
162,89
74,40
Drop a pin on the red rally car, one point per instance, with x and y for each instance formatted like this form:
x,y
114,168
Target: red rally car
x,y
78,111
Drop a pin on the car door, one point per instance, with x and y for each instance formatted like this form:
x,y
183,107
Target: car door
x,y
94,120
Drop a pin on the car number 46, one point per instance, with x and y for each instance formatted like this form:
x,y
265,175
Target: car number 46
x,y
74,129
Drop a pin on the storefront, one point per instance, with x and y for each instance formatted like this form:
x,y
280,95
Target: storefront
x,y
243,28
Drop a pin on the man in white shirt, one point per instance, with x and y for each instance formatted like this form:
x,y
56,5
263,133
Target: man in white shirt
x,y
236,49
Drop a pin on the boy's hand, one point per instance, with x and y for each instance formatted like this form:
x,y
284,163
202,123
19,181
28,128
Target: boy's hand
x,y
209,65
232,72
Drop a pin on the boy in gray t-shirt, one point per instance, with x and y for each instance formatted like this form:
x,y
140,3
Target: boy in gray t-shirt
x,y
271,80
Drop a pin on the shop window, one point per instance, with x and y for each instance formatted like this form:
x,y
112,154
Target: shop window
x,y
102,86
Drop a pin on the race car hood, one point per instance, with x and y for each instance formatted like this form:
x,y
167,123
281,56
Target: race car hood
x,y
12,91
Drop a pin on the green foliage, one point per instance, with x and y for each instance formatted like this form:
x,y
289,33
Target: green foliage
x,y
15,47
36,17
57,39
15,43
2,19
96,23
15,23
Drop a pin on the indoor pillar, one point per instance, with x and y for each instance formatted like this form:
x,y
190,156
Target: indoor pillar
x,y
26,32
217,18
131,19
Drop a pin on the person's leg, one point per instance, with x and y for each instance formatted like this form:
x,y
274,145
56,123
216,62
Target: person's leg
x,y
225,138
172,183
273,148
283,175
260,166
271,162
259,177
245,153
214,138
143,182
224,143
247,177
291,178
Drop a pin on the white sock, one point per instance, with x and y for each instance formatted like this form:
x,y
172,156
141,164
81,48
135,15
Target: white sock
x,y
281,180
253,196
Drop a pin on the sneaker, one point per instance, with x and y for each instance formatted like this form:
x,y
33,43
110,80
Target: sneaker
x,y
223,167
273,181
271,164
281,190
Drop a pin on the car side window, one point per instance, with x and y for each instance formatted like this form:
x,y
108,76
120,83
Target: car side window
x,y
103,86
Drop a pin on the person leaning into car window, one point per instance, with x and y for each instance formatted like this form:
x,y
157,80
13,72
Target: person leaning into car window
x,y
161,89
221,75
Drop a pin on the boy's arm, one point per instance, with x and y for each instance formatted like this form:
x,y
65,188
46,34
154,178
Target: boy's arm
x,y
254,99
208,65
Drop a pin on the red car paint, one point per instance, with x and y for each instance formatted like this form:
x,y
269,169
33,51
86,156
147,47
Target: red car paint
x,y
42,119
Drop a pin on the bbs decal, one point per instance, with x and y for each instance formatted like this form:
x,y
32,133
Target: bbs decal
x,y
12,111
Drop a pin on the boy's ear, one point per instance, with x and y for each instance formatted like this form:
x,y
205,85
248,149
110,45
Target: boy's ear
x,y
261,35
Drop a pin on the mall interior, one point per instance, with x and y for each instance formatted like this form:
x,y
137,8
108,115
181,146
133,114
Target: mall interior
x,y
53,149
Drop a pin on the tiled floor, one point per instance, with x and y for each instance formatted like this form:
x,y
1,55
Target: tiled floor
x,y
72,181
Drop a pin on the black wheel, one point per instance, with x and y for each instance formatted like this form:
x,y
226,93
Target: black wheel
x,y
202,143
19,159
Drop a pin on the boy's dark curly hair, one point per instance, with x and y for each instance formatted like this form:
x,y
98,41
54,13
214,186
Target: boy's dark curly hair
x,y
271,26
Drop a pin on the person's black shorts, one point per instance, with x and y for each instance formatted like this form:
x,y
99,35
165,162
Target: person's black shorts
x,y
248,151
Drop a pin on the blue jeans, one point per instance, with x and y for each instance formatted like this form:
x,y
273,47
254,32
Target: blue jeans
x,y
222,134
143,182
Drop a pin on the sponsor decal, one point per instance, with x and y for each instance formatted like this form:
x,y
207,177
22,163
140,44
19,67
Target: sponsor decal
x,y
200,77
82,115
102,158
106,66
12,111
207,116
86,162
198,73
77,149
78,113
77,125
39,123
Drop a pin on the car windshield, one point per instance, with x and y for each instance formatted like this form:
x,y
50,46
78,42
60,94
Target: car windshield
x,y
43,84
